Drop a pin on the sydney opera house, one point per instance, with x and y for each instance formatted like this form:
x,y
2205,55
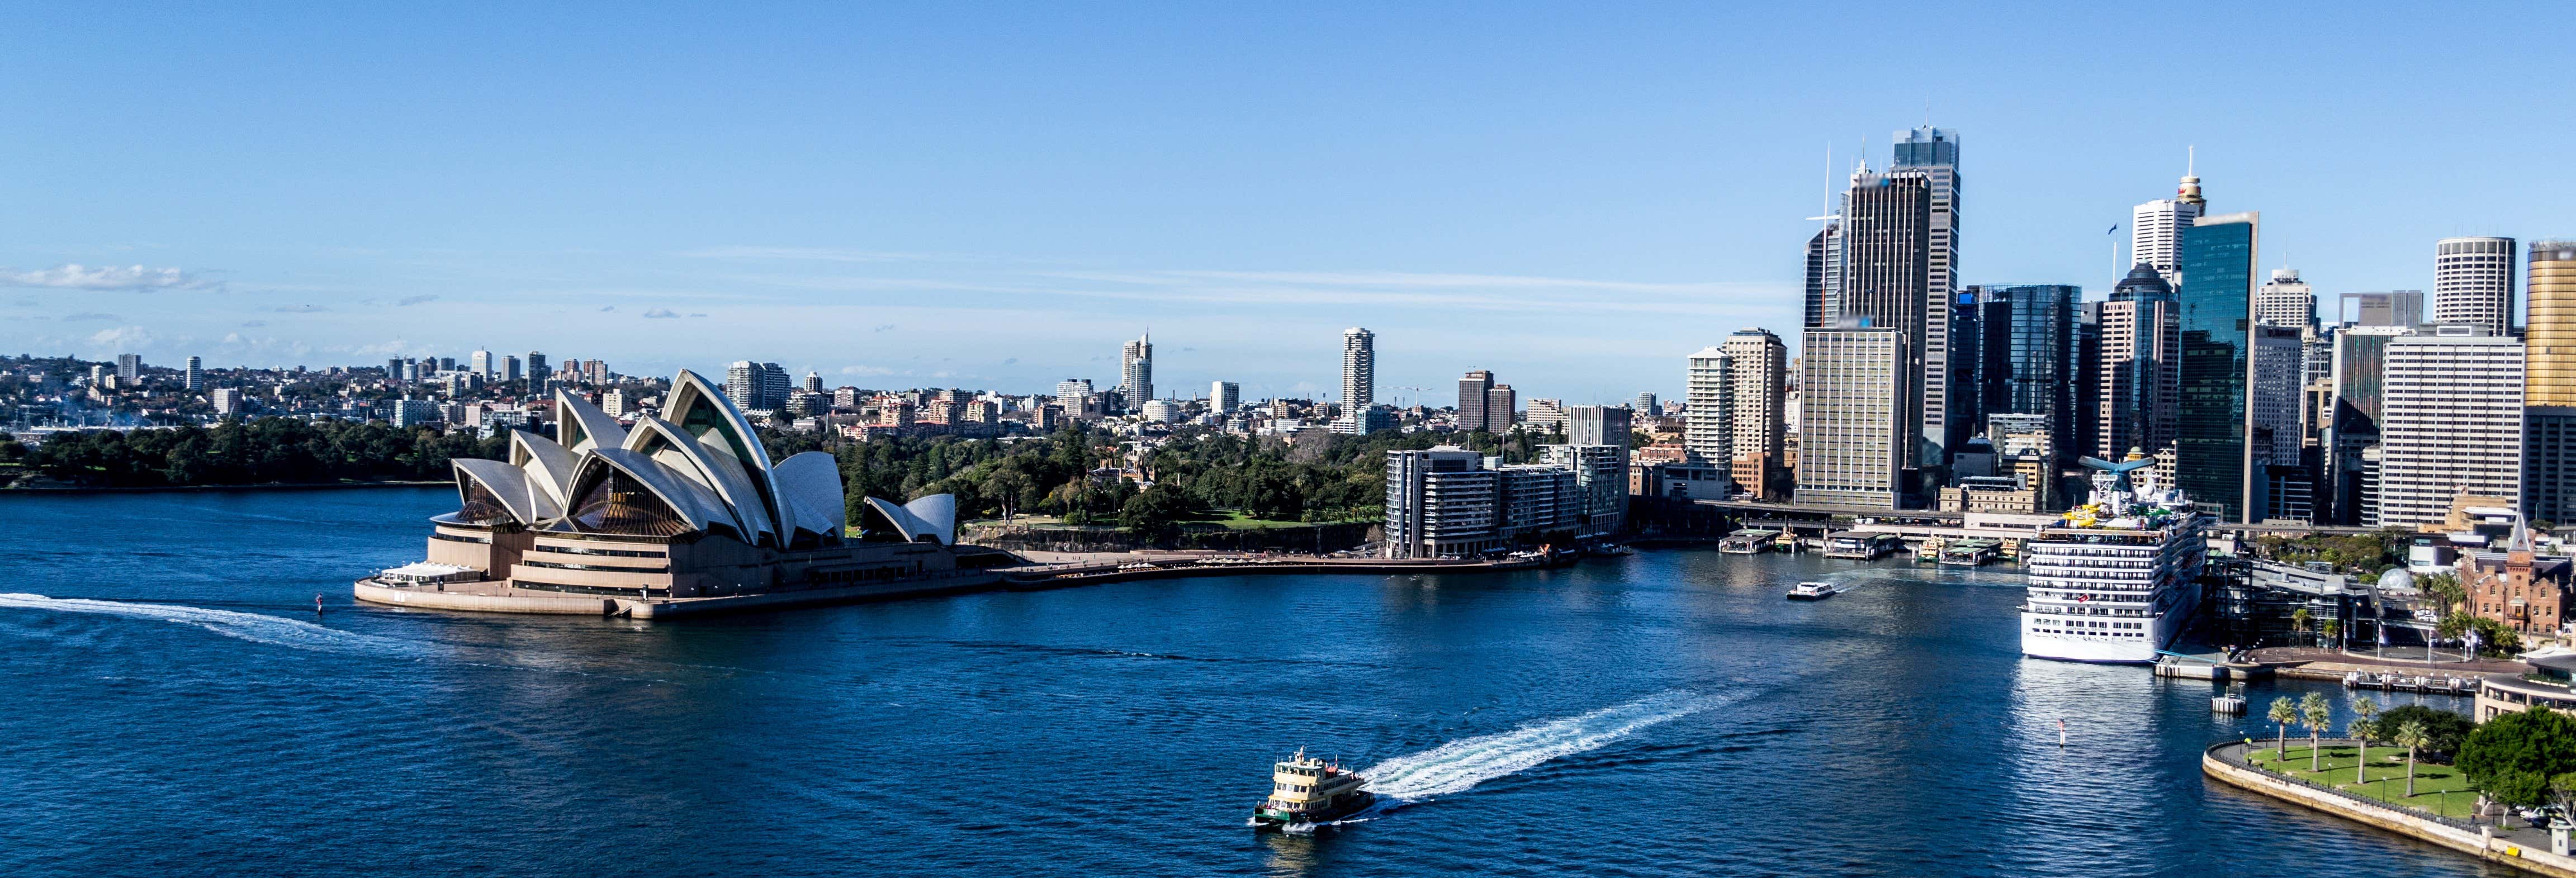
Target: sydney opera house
x,y
683,510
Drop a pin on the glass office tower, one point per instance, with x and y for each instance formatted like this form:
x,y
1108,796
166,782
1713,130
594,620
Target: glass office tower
x,y
2014,352
2211,454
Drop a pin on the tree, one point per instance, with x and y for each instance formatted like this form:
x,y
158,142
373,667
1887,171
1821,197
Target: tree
x,y
2410,735
2364,729
2333,629
2443,588
2445,729
2299,619
2562,787
2317,716
2513,755
2283,713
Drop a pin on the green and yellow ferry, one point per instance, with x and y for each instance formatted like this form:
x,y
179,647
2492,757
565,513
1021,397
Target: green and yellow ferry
x,y
1305,791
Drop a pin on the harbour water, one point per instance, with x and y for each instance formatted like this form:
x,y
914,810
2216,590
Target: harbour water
x,y
171,705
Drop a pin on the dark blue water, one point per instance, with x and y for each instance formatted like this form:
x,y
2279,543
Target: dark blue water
x,y
171,705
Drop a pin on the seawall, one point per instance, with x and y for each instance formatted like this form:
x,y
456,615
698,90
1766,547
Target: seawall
x,y
2481,843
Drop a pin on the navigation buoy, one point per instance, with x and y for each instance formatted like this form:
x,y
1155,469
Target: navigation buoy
x,y
317,605
2061,733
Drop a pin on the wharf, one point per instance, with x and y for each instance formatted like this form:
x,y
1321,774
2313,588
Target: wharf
x,y
2325,664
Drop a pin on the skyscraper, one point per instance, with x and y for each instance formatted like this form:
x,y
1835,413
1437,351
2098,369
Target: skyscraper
x,y
1224,396
1825,274
1472,390
813,381
1887,219
2016,353
195,377
2454,424
2396,308
2549,387
1359,369
2285,301
1852,384
510,369
483,364
1502,407
2354,411
2155,228
538,374
1708,430
1934,152
1644,403
129,369
2138,400
1136,371
2212,459
2473,283
1757,421
2272,395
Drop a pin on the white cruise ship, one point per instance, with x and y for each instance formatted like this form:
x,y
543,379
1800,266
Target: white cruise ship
x,y
2119,578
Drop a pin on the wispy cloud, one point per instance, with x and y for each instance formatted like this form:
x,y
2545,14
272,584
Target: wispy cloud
x,y
881,327
822,254
74,276
300,309
660,314
607,308
866,370
88,315
253,324
122,336
408,301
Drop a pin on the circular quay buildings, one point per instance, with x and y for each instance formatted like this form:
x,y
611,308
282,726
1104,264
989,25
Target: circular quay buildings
x,y
664,518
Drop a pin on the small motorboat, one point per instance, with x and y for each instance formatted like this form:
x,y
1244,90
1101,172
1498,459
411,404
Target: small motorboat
x,y
1813,591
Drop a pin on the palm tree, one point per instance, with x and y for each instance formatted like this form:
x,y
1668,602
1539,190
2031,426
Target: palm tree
x,y
2364,729
2318,716
2283,713
2299,619
2410,735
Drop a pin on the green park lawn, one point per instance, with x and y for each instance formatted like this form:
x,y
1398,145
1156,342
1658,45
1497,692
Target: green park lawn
x,y
2439,789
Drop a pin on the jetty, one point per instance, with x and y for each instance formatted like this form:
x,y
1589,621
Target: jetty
x,y
2430,684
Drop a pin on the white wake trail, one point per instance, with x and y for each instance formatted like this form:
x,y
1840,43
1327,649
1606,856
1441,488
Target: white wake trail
x,y
1460,765
254,627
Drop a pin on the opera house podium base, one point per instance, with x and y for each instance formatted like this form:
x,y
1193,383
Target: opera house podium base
x,y
494,596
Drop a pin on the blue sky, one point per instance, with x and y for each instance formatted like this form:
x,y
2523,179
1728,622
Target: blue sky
x,y
993,195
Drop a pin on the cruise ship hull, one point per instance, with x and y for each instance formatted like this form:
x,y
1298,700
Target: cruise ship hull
x,y
2078,639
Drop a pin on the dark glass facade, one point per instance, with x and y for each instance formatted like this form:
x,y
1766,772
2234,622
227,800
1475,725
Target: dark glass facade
x,y
2013,350
2211,455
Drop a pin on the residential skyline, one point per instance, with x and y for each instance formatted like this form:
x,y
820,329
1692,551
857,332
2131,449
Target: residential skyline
x,y
852,220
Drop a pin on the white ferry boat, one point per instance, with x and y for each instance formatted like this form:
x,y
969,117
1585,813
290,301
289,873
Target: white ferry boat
x,y
1305,791
2119,577
1813,591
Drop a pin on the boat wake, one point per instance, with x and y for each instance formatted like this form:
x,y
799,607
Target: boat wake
x,y
254,627
1462,764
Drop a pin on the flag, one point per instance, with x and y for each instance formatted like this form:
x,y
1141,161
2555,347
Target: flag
x,y
2114,227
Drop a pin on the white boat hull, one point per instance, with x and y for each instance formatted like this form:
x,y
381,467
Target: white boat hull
x,y
2100,638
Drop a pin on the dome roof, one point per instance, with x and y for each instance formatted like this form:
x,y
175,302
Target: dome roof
x,y
2397,579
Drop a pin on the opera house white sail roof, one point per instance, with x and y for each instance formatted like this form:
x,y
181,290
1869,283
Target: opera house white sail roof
x,y
698,469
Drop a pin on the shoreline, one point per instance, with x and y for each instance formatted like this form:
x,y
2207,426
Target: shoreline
x,y
2512,848
65,490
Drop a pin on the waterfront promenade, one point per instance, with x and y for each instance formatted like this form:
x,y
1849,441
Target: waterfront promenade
x,y
2441,812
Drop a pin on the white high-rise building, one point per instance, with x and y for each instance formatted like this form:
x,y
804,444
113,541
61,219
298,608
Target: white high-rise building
x,y
483,365
228,401
1851,420
1136,371
195,377
613,401
1761,366
2155,228
2452,425
1224,396
1359,370
1708,433
129,369
2285,301
2473,283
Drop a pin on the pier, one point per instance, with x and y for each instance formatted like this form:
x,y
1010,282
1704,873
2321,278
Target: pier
x,y
2429,684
